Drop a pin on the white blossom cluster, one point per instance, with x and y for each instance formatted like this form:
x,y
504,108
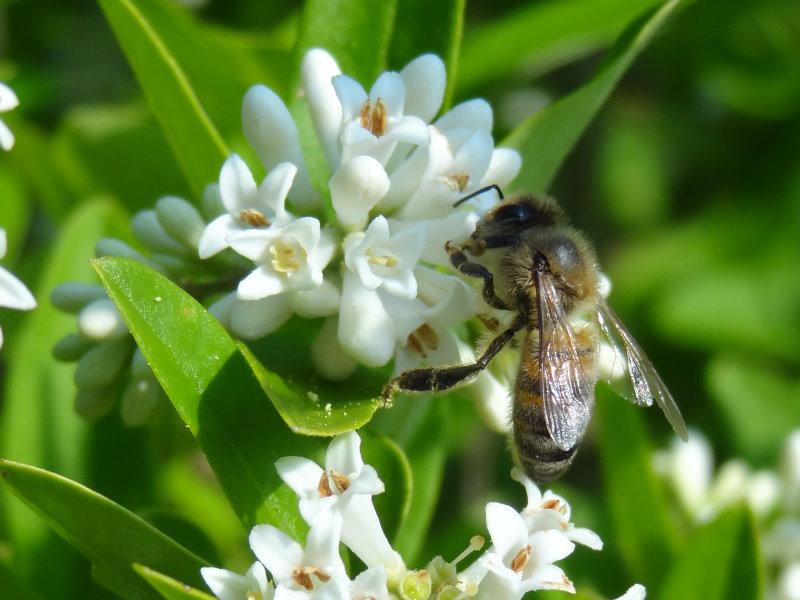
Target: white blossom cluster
x,y
363,251
336,501
13,293
773,497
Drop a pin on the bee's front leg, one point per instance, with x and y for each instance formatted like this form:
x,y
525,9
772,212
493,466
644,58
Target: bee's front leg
x,y
472,269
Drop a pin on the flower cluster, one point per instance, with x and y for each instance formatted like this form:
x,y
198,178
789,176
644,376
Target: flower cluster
x,y
363,250
774,498
336,501
13,293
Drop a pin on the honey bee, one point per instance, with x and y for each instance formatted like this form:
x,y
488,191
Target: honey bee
x,y
549,279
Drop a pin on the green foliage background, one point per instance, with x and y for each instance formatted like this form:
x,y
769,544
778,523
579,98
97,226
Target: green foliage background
x,y
687,178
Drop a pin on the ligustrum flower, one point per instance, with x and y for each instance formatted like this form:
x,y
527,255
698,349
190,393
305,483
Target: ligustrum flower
x,y
8,101
344,487
228,585
13,293
337,503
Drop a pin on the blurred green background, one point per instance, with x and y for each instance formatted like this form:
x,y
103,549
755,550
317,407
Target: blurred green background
x,y
688,181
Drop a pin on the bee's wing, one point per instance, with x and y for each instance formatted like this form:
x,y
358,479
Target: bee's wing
x,y
566,389
640,384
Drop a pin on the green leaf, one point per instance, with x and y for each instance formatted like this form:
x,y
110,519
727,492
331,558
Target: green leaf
x,y
356,32
758,403
547,137
394,470
541,36
720,561
39,424
195,139
213,389
308,403
170,588
644,532
441,34
110,536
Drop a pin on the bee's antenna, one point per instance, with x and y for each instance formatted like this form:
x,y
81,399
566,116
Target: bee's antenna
x,y
494,186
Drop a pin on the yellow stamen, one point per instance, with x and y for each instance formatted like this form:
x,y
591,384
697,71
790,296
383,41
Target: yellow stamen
x,y
384,261
284,257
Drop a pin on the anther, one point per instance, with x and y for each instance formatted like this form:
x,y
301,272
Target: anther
x,y
476,542
384,261
521,559
340,480
456,182
253,217
284,258
373,117
414,344
429,336
324,487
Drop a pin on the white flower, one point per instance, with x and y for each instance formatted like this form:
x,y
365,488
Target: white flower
x,y
288,258
345,488
13,293
635,592
227,585
370,585
520,561
789,583
356,187
317,570
551,511
373,125
8,101
249,206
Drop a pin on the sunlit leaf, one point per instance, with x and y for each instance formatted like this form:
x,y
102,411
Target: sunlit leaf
x,y
546,138
212,387
720,561
540,36
195,138
356,32
643,529
170,588
441,34
111,537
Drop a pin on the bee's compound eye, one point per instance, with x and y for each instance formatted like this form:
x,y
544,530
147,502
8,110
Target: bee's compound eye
x,y
511,212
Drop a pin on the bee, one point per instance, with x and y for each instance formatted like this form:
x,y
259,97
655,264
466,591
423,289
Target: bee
x,y
549,280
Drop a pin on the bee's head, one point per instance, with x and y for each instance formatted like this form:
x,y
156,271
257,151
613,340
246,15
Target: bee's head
x,y
503,226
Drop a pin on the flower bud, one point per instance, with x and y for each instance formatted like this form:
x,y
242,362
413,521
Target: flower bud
x,y
100,320
115,247
149,232
416,585
73,296
139,401
180,220
94,403
71,347
100,366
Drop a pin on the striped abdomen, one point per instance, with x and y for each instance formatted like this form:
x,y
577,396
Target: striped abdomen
x,y
537,453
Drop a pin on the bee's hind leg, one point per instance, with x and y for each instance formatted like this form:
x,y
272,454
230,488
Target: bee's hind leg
x,y
472,269
436,379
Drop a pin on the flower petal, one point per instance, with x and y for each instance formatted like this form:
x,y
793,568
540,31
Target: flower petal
x,y
8,99
550,546
226,585
507,530
13,293
367,482
6,137
351,96
531,489
366,331
585,536
263,281
276,186
215,236
635,592
237,187
322,301
503,167
3,243
271,131
425,79
363,534
344,454
370,584
279,553
390,89
300,474
317,71
356,187
547,577
322,544
253,319
472,114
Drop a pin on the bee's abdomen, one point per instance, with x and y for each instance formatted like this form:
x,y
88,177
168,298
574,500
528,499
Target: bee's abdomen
x,y
538,454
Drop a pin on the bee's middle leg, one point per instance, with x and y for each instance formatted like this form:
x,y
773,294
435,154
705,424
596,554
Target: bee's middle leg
x,y
472,269
436,379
